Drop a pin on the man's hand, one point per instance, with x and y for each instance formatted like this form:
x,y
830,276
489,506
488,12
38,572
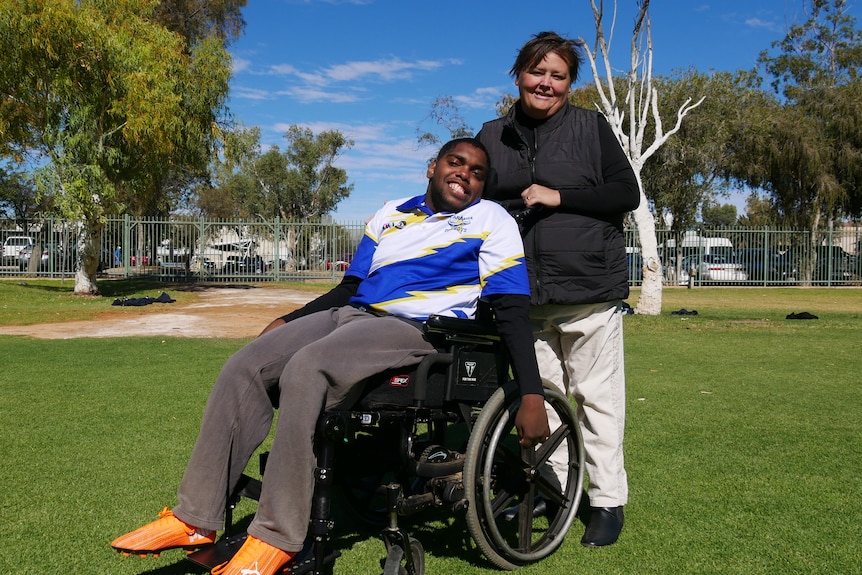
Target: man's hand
x,y
532,420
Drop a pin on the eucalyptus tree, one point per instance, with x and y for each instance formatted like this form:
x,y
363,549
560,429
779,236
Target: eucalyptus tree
x,y
717,216
630,115
689,169
758,213
110,101
315,184
300,183
816,71
445,114
17,197
296,186
197,20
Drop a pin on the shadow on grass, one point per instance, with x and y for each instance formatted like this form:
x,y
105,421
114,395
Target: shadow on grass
x,y
440,536
181,567
128,287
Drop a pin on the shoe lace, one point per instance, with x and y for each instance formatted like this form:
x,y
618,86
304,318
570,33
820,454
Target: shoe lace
x,y
190,530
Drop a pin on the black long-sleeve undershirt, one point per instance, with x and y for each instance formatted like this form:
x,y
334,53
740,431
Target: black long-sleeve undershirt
x,y
336,297
618,194
512,316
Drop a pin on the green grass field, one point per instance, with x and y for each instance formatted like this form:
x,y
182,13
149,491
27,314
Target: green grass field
x,y
744,441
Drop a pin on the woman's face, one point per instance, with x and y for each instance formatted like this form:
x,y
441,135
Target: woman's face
x,y
544,89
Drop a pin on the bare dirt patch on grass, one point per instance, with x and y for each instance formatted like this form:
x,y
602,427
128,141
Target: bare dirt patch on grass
x,y
217,312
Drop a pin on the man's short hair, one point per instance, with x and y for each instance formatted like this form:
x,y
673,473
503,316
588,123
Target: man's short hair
x,y
450,145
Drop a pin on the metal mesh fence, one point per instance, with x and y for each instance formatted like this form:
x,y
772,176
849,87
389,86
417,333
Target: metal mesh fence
x,y
758,257
189,250
228,251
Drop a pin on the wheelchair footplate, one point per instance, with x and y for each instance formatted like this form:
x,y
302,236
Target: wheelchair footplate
x,y
226,547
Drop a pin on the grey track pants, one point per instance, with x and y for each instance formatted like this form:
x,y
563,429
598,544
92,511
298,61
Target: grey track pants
x,y
309,363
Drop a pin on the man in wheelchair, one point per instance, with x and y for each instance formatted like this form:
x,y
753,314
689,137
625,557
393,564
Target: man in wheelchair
x,y
434,254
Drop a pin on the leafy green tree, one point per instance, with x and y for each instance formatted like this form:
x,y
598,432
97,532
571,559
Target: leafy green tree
x,y
17,196
302,183
315,184
758,213
804,147
111,101
817,71
198,20
715,215
688,171
444,114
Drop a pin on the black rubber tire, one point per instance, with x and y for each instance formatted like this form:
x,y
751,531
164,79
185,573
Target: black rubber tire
x,y
395,564
502,482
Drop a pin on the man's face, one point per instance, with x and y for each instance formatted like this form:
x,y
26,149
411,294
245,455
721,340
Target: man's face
x,y
457,179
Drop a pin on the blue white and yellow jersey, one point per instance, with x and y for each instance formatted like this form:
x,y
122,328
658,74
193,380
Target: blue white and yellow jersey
x,y
414,263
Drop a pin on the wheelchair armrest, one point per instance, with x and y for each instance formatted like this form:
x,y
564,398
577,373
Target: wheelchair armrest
x,y
461,326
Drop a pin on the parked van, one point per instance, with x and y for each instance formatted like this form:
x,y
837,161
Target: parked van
x,y
14,245
693,250
694,244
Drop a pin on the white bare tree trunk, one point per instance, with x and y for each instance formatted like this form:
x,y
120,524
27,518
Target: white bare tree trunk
x,y
649,302
640,102
87,265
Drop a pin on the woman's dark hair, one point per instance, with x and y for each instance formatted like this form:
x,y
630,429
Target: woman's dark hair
x,y
540,46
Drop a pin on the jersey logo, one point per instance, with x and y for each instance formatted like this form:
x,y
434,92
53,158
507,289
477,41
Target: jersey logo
x,y
397,225
459,223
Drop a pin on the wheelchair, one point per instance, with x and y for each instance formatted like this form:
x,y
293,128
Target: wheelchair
x,y
440,435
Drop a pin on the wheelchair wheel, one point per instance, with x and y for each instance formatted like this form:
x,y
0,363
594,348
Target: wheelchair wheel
x,y
517,512
395,563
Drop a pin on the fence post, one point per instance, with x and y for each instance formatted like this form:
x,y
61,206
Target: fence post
x,y
125,248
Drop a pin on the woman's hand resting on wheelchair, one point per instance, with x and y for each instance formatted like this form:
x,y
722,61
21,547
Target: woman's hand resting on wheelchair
x,y
532,420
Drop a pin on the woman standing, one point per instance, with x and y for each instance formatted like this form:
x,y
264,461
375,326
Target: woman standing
x,y
562,173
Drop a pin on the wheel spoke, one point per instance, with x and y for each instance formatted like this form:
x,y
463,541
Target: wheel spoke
x,y
525,515
505,484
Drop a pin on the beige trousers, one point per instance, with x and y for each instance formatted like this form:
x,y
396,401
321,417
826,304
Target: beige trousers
x,y
580,351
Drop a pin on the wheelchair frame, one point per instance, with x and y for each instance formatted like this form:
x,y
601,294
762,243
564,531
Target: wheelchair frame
x,y
515,513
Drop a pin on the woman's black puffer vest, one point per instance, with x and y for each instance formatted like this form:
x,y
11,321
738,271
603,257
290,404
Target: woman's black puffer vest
x,y
574,256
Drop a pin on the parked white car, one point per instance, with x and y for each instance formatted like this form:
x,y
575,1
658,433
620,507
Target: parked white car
x,y
14,245
712,268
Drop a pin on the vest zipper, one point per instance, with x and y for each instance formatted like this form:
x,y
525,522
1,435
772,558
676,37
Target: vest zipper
x,y
536,229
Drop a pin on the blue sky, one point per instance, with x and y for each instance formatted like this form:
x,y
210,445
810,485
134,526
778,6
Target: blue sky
x,y
371,68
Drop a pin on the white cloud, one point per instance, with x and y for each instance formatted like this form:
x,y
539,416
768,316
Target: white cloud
x,y
761,24
317,86
481,98
391,69
357,133
386,69
282,69
309,95
249,93
239,64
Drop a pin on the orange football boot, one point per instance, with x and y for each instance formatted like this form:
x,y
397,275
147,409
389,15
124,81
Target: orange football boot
x,y
165,533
